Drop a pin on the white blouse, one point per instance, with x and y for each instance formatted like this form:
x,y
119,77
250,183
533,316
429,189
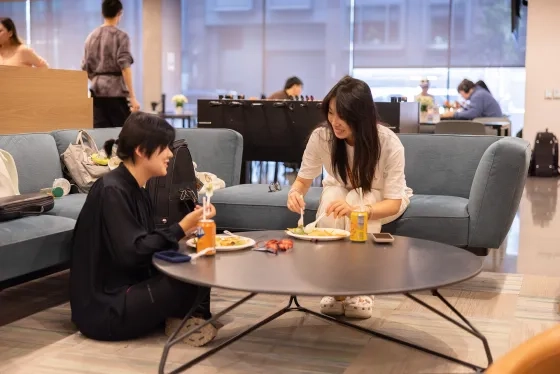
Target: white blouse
x,y
389,178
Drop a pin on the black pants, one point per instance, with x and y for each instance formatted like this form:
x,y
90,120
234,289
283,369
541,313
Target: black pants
x,y
150,303
110,111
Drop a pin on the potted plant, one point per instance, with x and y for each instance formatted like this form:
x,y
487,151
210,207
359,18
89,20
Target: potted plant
x,y
179,101
426,103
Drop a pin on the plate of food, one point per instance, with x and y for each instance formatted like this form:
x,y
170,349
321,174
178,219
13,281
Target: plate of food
x,y
226,243
322,234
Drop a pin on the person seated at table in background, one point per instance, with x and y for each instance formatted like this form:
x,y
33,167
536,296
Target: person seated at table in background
x,y
115,291
356,152
424,96
292,87
481,102
12,51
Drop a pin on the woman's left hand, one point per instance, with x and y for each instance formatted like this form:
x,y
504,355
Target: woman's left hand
x,y
339,208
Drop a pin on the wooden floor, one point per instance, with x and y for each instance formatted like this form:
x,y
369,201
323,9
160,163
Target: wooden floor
x,y
516,297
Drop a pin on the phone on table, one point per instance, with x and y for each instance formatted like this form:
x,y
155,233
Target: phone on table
x,y
382,237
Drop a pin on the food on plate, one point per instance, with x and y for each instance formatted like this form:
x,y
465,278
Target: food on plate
x,y
230,241
316,232
227,241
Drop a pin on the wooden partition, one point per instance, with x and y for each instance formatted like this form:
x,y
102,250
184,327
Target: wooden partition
x,y
42,100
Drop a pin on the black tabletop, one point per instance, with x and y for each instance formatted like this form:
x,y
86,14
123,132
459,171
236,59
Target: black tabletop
x,y
338,268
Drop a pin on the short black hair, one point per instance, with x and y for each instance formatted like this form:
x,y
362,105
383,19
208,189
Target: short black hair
x,y
465,85
146,131
292,81
111,8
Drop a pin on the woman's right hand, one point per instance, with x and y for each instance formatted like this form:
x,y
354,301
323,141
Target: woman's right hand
x,y
296,202
190,221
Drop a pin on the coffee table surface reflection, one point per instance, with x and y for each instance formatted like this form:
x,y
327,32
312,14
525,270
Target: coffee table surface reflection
x,y
331,268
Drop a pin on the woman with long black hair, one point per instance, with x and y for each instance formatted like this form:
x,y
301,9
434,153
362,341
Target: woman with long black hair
x,y
356,152
115,291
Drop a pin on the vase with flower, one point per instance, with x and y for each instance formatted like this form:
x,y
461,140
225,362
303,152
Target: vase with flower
x,y
426,104
179,101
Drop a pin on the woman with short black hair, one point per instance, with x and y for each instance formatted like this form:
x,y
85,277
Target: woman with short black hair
x,y
115,291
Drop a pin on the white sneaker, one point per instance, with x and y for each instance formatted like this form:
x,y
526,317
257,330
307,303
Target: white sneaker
x,y
358,307
199,338
331,307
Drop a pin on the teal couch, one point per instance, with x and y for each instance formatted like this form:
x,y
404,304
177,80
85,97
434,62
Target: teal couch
x,y
466,192
32,244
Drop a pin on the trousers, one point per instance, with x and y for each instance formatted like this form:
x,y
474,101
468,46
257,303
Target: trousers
x,y
352,197
110,111
148,305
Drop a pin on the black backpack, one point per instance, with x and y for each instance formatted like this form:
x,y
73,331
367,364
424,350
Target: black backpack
x,y
544,158
174,195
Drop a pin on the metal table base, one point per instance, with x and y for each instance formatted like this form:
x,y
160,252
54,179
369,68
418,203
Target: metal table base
x,y
294,305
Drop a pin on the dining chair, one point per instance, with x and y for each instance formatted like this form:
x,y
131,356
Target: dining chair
x,y
460,127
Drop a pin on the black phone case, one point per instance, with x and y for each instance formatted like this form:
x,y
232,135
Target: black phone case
x,y
172,256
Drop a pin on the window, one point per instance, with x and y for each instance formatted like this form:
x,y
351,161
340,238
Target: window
x,y
288,4
59,29
379,26
232,5
16,11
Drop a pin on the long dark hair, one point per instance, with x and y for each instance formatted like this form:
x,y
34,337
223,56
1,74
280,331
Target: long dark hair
x,y
354,104
483,85
147,131
11,27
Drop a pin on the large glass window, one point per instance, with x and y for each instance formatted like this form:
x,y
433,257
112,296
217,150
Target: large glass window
x,y
251,47
59,29
16,11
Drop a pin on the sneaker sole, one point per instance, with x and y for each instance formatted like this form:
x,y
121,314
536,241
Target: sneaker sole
x,y
358,312
332,310
199,338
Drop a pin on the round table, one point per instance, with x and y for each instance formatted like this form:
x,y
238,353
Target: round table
x,y
336,268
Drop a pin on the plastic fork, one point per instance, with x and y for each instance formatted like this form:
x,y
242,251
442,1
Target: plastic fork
x,y
300,220
310,227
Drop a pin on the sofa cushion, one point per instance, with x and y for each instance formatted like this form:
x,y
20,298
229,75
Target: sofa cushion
x,y
450,161
252,207
64,138
36,158
216,151
443,219
33,243
68,206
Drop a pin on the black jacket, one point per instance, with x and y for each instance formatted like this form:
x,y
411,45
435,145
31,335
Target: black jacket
x,y
112,247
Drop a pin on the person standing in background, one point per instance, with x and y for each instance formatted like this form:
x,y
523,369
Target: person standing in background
x,y
12,51
107,61
292,87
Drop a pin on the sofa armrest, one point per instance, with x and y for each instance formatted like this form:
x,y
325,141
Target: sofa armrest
x,y
496,191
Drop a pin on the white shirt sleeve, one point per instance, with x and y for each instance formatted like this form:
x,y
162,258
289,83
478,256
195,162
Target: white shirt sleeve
x,y
395,181
313,156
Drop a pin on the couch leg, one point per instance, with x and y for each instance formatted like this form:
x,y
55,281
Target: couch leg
x,y
478,251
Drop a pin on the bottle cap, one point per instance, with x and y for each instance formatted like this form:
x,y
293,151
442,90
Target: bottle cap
x,y
57,192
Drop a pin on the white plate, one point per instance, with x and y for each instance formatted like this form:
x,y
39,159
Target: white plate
x,y
250,242
322,238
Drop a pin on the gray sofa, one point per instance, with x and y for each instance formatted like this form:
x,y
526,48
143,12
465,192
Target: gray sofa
x,y
467,190
32,244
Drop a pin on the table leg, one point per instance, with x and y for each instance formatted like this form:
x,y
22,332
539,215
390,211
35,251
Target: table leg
x,y
294,305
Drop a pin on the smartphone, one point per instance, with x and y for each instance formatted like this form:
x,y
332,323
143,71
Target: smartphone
x,y
383,238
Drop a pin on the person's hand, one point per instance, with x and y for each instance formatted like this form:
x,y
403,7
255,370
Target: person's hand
x,y
339,208
191,220
295,202
134,105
